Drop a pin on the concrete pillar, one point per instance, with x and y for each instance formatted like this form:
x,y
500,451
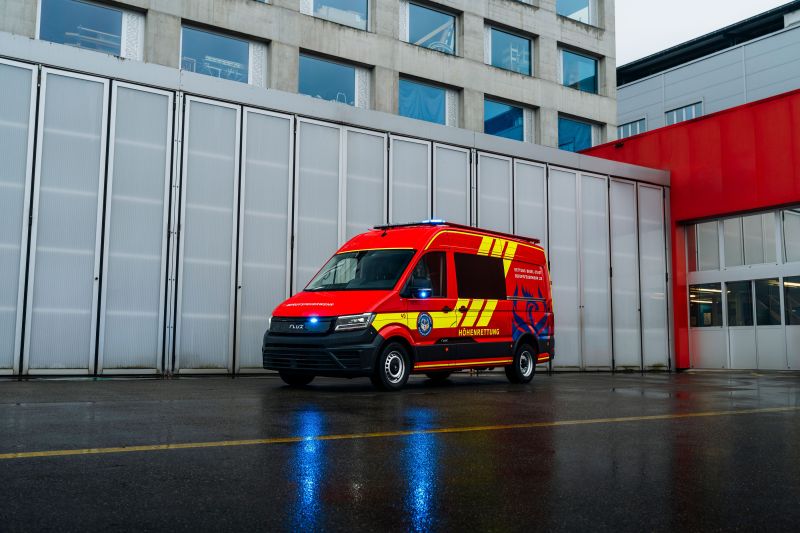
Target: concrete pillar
x,y
385,88
471,37
284,65
385,18
548,58
19,17
162,39
471,110
547,133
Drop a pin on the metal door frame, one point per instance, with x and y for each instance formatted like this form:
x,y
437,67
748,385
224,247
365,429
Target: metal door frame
x,y
26,213
188,99
164,229
240,241
34,217
434,180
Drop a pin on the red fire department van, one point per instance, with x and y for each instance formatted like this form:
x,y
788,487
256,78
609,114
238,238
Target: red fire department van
x,y
429,297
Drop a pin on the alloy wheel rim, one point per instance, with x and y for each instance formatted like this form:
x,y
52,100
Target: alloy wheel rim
x,y
525,363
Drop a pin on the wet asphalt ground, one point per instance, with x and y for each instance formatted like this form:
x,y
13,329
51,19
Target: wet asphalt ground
x,y
586,452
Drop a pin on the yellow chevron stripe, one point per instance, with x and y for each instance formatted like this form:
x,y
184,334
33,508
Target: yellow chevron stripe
x,y
511,249
497,249
487,313
486,244
385,319
472,314
506,265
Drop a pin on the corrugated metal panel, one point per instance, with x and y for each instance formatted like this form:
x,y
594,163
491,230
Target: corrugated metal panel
x,y
530,200
132,308
264,227
495,209
773,65
366,181
652,272
17,108
451,178
206,273
409,180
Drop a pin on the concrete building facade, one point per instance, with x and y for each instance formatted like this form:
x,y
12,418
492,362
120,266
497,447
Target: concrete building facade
x,y
282,31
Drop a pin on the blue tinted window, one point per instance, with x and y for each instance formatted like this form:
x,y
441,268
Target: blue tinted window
x,y
81,24
215,55
511,52
432,29
580,72
423,101
503,120
348,12
580,10
574,136
327,80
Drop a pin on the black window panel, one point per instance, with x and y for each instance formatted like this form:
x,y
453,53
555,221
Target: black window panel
x,y
791,287
740,303
768,302
433,266
480,277
705,305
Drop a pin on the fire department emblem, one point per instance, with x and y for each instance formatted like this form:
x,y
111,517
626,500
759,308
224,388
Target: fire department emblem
x,y
424,324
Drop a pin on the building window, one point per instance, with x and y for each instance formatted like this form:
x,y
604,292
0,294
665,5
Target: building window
x,y
632,128
705,305
579,71
684,113
791,234
222,56
92,26
351,13
791,295
768,302
580,10
429,28
574,135
506,120
507,51
334,81
740,303
424,101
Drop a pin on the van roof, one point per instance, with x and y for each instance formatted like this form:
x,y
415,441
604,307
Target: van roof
x,y
416,235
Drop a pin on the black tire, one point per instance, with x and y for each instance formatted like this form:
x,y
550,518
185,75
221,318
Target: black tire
x,y
524,366
296,380
438,377
392,367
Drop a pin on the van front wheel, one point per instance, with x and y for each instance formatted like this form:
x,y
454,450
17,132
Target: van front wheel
x,y
524,365
392,368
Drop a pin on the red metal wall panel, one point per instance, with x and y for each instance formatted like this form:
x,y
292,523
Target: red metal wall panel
x,y
742,159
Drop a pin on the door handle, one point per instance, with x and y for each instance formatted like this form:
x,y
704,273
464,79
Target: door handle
x,y
463,309
446,309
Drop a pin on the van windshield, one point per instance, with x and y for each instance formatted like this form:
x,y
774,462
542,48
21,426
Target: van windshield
x,y
376,270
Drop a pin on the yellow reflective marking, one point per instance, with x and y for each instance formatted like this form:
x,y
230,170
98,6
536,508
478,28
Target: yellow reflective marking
x,y
506,265
385,319
472,314
390,434
486,314
443,320
497,249
464,363
511,249
486,243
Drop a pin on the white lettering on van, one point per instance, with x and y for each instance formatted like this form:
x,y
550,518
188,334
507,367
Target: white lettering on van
x,y
532,274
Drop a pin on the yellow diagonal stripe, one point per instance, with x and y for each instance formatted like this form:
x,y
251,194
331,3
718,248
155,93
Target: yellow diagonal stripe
x,y
497,249
472,314
487,313
384,319
486,244
506,265
511,249
396,433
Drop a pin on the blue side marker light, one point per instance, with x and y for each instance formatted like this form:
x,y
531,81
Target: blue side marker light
x,y
434,221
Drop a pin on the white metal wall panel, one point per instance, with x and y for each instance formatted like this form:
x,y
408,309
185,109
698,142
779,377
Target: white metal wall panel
x,y
530,200
773,65
134,262
17,113
564,266
365,182
742,341
317,198
708,348
64,269
653,281
596,297
263,228
771,347
625,275
793,346
409,180
206,274
451,178
494,193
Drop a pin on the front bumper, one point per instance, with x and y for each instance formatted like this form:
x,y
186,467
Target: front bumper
x,y
345,354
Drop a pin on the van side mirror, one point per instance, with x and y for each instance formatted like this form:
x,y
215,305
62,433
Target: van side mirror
x,y
418,288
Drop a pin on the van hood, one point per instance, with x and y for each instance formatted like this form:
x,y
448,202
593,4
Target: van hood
x,y
331,303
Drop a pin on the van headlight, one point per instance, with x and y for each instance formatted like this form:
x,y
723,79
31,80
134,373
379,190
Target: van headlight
x,y
354,322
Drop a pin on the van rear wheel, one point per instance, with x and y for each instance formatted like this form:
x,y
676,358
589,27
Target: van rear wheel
x,y
392,368
296,380
524,365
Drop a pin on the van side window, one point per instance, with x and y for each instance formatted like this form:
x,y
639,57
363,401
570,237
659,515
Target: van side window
x,y
480,276
433,266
